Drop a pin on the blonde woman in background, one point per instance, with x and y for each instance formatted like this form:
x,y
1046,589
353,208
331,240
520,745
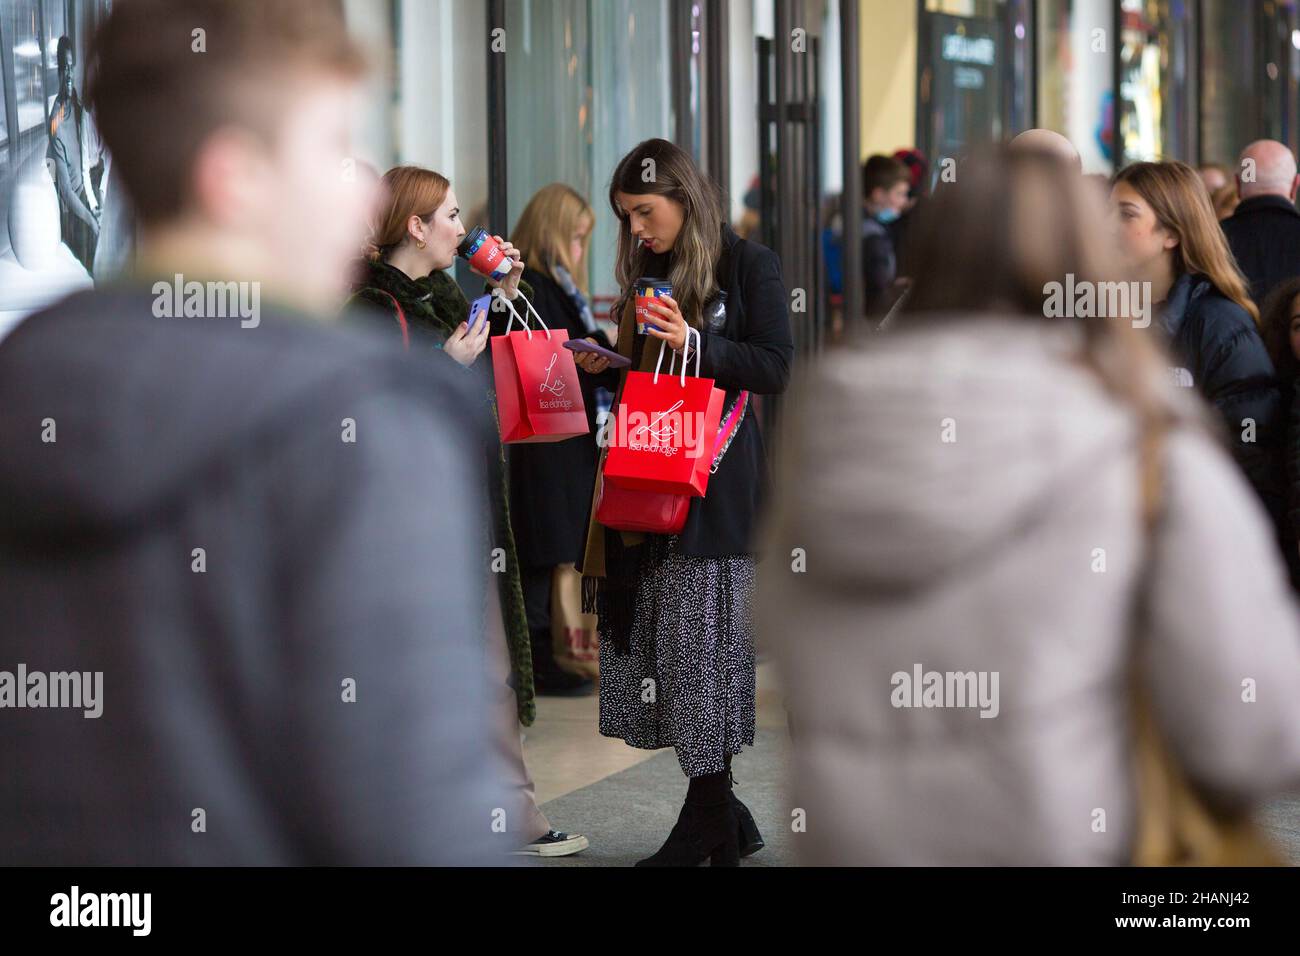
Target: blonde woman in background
x,y
551,483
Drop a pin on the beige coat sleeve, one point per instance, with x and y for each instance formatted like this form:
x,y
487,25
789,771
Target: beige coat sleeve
x,y
1222,648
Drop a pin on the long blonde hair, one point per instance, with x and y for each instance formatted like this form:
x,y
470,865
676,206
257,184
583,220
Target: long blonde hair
x,y
1176,194
545,228
408,191
699,243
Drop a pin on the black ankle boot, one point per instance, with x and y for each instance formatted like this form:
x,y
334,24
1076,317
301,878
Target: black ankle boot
x,y
706,828
748,838
701,833
747,835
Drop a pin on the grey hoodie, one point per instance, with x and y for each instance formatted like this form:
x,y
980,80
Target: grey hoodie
x,y
967,504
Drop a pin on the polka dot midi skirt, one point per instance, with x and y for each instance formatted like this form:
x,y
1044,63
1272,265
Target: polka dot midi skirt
x,y
688,678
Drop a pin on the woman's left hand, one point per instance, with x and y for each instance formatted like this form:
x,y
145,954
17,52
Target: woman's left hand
x,y
671,325
510,284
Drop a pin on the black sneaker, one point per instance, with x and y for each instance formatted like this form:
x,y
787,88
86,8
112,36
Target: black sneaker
x,y
555,843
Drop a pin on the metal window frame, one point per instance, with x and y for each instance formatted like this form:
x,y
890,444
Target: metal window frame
x,y
717,63
10,94
679,54
851,213
498,209
1116,76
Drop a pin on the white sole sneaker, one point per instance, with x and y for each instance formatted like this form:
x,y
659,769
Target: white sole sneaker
x,y
575,844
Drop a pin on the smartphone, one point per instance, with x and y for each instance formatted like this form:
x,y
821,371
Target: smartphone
x,y
478,312
582,345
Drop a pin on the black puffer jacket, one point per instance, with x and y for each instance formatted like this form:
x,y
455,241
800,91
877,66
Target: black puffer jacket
x,y
1217,342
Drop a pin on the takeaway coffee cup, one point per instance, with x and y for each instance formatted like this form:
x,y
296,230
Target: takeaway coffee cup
x,y
483,253
647,290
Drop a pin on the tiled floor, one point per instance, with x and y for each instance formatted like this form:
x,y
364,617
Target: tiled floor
x,y
565,753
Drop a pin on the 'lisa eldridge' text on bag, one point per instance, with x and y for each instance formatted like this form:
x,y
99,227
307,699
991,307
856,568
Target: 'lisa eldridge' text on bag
x,y
665,512
538,395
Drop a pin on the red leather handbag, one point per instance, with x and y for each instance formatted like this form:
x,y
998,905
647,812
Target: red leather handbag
x,y
652,512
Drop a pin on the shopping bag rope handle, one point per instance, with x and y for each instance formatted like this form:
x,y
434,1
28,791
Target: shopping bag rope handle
x,y
685,350
515,315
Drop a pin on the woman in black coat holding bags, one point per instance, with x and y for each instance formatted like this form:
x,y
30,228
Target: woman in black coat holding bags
x,y
551,482
674,610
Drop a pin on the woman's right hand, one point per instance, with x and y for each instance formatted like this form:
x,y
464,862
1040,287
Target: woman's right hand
x,y
465,347
590,361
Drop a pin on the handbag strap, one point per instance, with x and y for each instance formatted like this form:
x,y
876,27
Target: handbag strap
x,y
1173,824
730,425
401,319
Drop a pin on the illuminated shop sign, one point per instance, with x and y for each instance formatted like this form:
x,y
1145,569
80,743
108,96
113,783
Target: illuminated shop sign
x,y
964,49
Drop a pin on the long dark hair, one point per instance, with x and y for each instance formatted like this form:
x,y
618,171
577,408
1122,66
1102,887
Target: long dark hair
x,y
1275,324
661,168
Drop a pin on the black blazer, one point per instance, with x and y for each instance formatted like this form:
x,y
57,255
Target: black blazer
x,y
551,483
1264,234
751,348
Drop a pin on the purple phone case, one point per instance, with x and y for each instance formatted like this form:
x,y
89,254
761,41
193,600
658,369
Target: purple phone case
x,y
582,345
478,311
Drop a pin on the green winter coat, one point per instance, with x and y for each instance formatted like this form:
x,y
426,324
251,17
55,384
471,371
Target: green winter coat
x,y
434,306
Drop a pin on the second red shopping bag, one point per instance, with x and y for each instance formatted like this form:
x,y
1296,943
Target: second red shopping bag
x,y
538,395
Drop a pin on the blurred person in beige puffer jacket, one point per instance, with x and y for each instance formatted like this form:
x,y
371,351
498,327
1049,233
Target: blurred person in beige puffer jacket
x,y
965,491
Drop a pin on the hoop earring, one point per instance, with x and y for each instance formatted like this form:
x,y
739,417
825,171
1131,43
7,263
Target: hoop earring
x,y
420,243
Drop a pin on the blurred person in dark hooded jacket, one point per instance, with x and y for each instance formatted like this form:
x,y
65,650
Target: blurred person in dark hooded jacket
x,y
215,522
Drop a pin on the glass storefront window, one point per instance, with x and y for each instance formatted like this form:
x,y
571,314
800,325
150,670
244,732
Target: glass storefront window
x,y
976,75
22,28
1157,81
1076,83
1228,61
1280,27
4,124
585,83
55,27
548,94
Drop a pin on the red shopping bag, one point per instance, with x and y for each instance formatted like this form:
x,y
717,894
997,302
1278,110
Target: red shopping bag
x,y
538,395
664,430
655,512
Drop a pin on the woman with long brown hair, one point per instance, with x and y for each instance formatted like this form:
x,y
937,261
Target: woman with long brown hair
x,y
1172,243
973,493
674,609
